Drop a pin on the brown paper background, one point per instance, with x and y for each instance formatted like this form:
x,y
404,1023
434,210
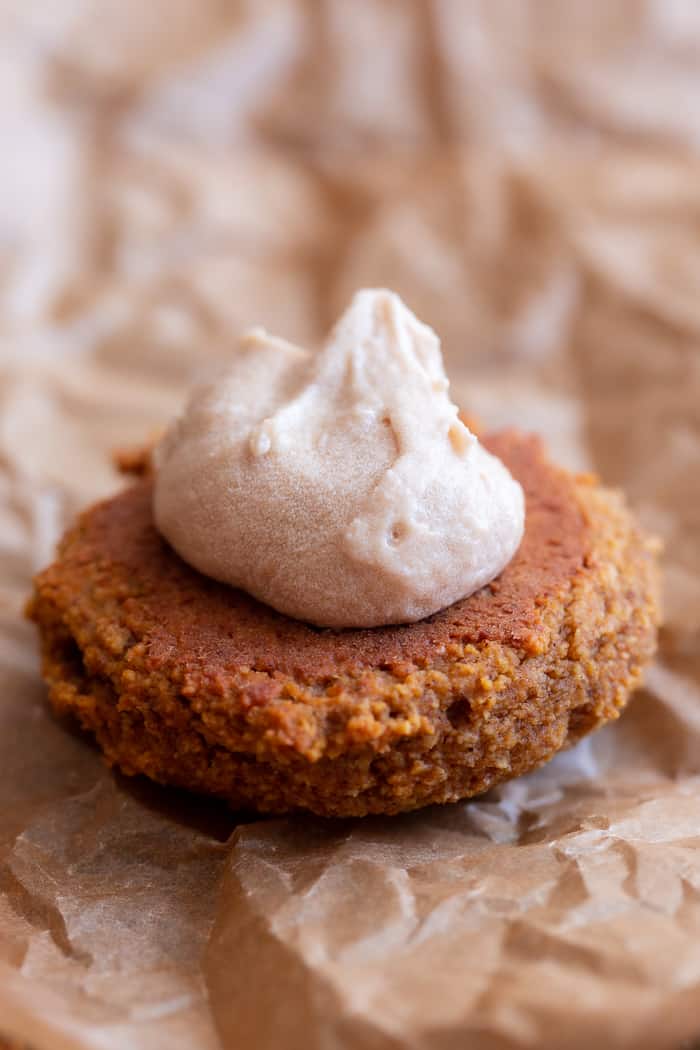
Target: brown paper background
x,y
527,175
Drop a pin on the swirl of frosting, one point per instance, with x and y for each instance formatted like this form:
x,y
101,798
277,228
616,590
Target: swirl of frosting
x,y
340,487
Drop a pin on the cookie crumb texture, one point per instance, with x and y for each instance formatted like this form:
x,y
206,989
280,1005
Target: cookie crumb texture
x,y
195,684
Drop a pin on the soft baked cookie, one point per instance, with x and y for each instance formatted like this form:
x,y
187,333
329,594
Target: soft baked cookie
x,y
196,684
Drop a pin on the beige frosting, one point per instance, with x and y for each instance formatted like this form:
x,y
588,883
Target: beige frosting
x,y
339,487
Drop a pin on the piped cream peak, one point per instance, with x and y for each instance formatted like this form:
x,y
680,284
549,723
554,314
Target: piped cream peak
x,y
339,487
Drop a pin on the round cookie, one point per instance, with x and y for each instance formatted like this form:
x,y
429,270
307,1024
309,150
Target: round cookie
x,y
196,684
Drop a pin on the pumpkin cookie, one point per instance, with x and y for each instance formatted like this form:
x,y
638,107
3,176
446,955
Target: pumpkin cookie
x,y
196,684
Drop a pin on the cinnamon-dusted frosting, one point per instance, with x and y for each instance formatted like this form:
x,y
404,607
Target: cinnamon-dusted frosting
x,y
340,488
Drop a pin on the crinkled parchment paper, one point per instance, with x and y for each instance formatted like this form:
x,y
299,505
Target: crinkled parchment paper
x,y
527,176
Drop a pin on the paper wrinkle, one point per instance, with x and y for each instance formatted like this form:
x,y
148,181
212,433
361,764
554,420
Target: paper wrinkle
x,y
527,178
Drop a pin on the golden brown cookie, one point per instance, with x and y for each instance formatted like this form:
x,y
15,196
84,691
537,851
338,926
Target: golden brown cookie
x,y
196,684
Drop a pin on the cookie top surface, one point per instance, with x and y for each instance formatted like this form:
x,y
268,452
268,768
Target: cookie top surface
x,y
118,566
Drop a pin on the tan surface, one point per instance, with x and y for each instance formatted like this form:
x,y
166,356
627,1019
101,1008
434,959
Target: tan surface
x,y
526,175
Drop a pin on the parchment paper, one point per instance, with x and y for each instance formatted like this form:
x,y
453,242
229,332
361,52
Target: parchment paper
x,y
527,176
